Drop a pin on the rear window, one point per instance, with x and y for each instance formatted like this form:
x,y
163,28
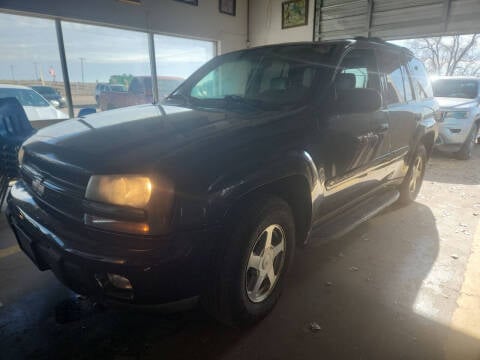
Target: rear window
x,y
420,81
457,88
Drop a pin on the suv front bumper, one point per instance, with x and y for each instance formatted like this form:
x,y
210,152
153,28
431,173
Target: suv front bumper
x,y
453,134
160,269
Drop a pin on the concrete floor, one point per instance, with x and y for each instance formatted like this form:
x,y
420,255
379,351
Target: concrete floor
x,y
405,285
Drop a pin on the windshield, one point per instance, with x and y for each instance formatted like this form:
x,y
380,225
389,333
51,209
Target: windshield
x,y
26,97
44,90
455,88
271,77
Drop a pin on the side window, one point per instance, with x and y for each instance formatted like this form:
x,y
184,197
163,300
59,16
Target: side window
x,y
421,83
358,70
136,87
390,66
407,84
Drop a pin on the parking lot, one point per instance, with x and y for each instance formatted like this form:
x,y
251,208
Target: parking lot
x,y
404,285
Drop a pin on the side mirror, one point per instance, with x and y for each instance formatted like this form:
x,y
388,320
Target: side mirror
x,y
358,101
86,111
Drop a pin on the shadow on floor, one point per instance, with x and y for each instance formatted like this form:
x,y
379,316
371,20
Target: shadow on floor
x,y
363,290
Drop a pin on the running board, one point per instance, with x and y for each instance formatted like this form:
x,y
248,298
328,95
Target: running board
x,y
353,217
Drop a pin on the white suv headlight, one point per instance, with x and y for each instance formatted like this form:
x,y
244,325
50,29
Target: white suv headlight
x,y
125,190
456,114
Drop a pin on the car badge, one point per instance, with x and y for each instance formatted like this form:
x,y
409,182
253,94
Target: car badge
x,y
38,187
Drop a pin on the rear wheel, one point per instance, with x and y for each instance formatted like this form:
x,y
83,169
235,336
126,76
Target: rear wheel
x,y
465,152
250,270
412,183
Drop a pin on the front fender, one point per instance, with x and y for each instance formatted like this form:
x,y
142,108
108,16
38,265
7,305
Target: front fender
x,y
229,189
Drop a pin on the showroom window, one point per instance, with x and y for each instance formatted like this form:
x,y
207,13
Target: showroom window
x,y
30,67
107,67
98,57
177,58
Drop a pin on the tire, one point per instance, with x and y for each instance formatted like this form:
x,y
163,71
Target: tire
x,y
233,296
412,183
465,152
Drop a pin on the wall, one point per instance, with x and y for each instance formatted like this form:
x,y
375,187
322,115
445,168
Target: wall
x,y
164,16
266,24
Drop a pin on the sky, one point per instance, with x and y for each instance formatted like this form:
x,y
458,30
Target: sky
x,y
28,49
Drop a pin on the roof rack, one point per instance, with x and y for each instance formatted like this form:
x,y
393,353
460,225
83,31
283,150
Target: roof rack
x,y
383,42
372,39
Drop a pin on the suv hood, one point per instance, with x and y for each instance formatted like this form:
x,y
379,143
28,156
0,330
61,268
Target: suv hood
x,y
138,137
448,103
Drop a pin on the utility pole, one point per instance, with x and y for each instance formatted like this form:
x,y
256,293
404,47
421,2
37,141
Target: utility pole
x,y
82,59
36,69
12,71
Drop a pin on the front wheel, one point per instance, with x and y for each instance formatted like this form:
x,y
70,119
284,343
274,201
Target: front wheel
x,y
251,266
412,183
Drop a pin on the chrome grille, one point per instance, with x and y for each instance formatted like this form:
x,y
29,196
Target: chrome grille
x,y
54,188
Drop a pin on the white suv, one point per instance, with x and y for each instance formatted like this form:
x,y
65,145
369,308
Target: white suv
x,y
459,99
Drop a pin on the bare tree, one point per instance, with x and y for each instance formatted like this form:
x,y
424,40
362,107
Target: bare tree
x,y
449,55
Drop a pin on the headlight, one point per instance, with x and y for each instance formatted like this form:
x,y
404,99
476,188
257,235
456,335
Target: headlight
x,y
55,103
21,152
125,190
456,115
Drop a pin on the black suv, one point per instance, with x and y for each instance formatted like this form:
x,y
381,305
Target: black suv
x,y
208,193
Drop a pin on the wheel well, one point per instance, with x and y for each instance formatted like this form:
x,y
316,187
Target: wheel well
x,y
296,192
428,141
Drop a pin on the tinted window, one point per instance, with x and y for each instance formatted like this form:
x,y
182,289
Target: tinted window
x,y
421,83
358,70
389,64
272,77
458,88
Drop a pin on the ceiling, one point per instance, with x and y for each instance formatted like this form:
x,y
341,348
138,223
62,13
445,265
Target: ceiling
x,y
394,19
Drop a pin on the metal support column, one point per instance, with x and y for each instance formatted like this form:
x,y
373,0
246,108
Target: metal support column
x,y
446,13
369,18
63,61
153,67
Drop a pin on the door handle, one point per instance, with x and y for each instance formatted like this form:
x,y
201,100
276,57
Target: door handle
x,y
381,128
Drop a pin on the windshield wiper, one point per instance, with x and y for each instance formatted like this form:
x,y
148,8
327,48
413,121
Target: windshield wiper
x,y
237,100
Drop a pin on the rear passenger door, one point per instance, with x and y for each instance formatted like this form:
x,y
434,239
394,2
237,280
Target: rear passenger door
x,y
400,103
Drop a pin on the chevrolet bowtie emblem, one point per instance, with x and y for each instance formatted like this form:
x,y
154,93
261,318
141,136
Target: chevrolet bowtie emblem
x,y
38,187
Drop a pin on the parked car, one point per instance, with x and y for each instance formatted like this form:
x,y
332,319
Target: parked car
x,y
459,99
36,106
50,94
139,92
101,88
209,193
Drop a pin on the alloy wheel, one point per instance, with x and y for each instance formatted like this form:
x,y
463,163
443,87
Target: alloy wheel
x,y
265,263
417,172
